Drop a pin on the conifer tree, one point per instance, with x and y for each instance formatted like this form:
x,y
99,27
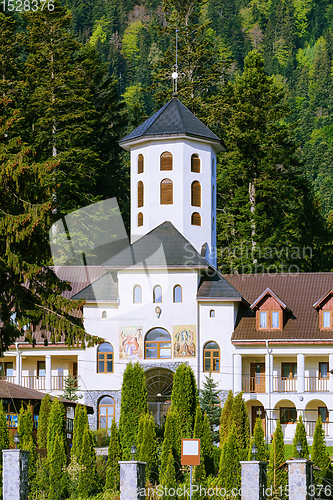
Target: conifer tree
x,y
319,453
277,475
300,436
210,405
112,470
88,475
207,446
80,425
57,461
71,389
259,440
133,404
184,397
147,451
43,421
4,436
199,470
168,476
225,420
240,418
171,441
25,431
229,471
56,425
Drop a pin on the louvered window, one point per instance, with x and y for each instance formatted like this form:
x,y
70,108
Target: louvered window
x,y
166,192
140,219
140,194
195,219
196,194
195,163
140,164
166,161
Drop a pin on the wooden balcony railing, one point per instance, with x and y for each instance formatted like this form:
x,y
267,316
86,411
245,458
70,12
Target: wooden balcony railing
x,y
8,379
283,384
58,383
33,382
253,384
316,384
310,427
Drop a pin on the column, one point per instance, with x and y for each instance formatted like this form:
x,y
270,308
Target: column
x,y
15,474
330,380
300,479
48,372
300,374
237,372
18,369
268,373
254,480
132,480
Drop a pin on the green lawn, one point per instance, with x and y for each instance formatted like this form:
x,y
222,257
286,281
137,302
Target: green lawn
x,y
288,448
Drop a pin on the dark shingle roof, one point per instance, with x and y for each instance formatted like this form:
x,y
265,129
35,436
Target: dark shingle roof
x,y
216,287
103,289
162,247
299,291
171,120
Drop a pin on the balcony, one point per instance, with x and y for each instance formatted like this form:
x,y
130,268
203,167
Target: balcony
x,y
253,384
284,384
316,384
39,383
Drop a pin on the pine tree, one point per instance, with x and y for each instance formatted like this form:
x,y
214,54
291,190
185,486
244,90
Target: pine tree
x,y
71,389
133,404
112,469
171,442
25,431
300,436
277,475
184,397
80,425
43,421
319,453
210,405
147,451
57,461
259,440
225,420
88,476
230,471
240,418
56,425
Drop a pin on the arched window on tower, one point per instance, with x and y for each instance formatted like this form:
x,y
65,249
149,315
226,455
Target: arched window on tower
x,y
105,358
158,344
166,161
177,293
140,164
157,294
166,192
211,357
196,219
195,163
140,219
196,194
140,194
137,294
106,407
104,315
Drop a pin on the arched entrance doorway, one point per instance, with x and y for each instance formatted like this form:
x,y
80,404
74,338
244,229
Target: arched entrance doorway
x,y
159,388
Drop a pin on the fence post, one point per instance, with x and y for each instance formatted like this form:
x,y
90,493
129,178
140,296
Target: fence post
x,y
300,479
15,465
254,480
132,480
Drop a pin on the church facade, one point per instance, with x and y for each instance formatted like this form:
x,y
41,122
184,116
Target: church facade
x,y
160,301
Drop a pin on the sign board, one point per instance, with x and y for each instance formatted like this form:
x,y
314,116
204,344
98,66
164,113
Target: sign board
x,y
190,452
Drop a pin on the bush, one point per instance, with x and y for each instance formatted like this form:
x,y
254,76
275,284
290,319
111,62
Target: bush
x,y
101,438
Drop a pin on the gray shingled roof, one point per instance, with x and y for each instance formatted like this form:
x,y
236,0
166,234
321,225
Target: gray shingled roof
x,y
162,247
171,120
103,289
216,287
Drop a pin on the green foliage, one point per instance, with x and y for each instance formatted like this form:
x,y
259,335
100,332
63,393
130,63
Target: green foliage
x,y
133,404
210,405
71,389
87,483
25,431
240,419
56,425
57,461
171,443
230,470
184,397
199,470
319,453
300,436
147,450
168,476
4,435
80,425
225,419
259,440
113,471
277,475
43,421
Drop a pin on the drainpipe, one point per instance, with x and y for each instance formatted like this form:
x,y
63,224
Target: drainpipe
x,y
18,365
198,346
269,351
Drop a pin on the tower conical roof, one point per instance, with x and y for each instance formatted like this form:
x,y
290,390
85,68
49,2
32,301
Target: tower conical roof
x,y
173,119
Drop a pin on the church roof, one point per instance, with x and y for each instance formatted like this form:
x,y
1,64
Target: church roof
x,y
104,289
173,119
214,286
163,247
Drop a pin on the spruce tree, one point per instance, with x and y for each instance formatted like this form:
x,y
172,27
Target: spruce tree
x,y
147,451
43,421
259,440
230,470
171,441
319,453
277,475
184,397
133,404
57,461
225,420
300,436
112,469
240,418
210,405
71,389
80,425
88,475
56,425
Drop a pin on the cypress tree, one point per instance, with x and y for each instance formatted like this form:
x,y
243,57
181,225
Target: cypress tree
x,y
43,421
168,475
230,471
210,405
56,425
240,417
147,451
88,475
171,441
259,440
319,453
4,436
199,470
300,435
184,397
133,404
225,420
277,475
56,462
25,431
112,470
80,424
207,446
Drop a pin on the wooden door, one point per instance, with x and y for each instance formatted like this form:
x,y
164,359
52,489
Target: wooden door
x,y
257,374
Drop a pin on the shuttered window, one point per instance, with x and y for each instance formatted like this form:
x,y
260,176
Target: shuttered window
x,y
195,163
140,219
196,194
195,219
140,194
140,164
166,192
166,161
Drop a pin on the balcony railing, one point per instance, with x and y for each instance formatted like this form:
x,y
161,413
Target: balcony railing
x,y
316,384
33,382
283,384
310,427
253,384
8,379
58,383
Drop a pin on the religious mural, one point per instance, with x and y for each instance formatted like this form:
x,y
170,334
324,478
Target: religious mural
x,y
184,341
130,342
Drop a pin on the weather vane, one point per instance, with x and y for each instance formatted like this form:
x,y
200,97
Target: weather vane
x,y
175,75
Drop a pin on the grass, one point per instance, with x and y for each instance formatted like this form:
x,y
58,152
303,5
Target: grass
x,y
288,450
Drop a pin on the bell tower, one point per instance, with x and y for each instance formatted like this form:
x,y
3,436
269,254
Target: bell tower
x,y
173,176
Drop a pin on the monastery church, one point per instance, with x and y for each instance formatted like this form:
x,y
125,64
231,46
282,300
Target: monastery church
x,y
161,301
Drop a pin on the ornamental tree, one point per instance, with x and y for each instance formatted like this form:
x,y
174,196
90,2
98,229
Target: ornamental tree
x,y
56,425
211,405
277,475
300,436
240,418
114,455
57,461
319,454
259,440
184,397
87,483
147,450
171,442
25,431
43,421
226,418
230,470
80,425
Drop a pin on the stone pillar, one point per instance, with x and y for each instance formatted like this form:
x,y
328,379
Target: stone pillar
x,y
237,373
300,374
300,479
132,480
15,474
254,484
48,373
